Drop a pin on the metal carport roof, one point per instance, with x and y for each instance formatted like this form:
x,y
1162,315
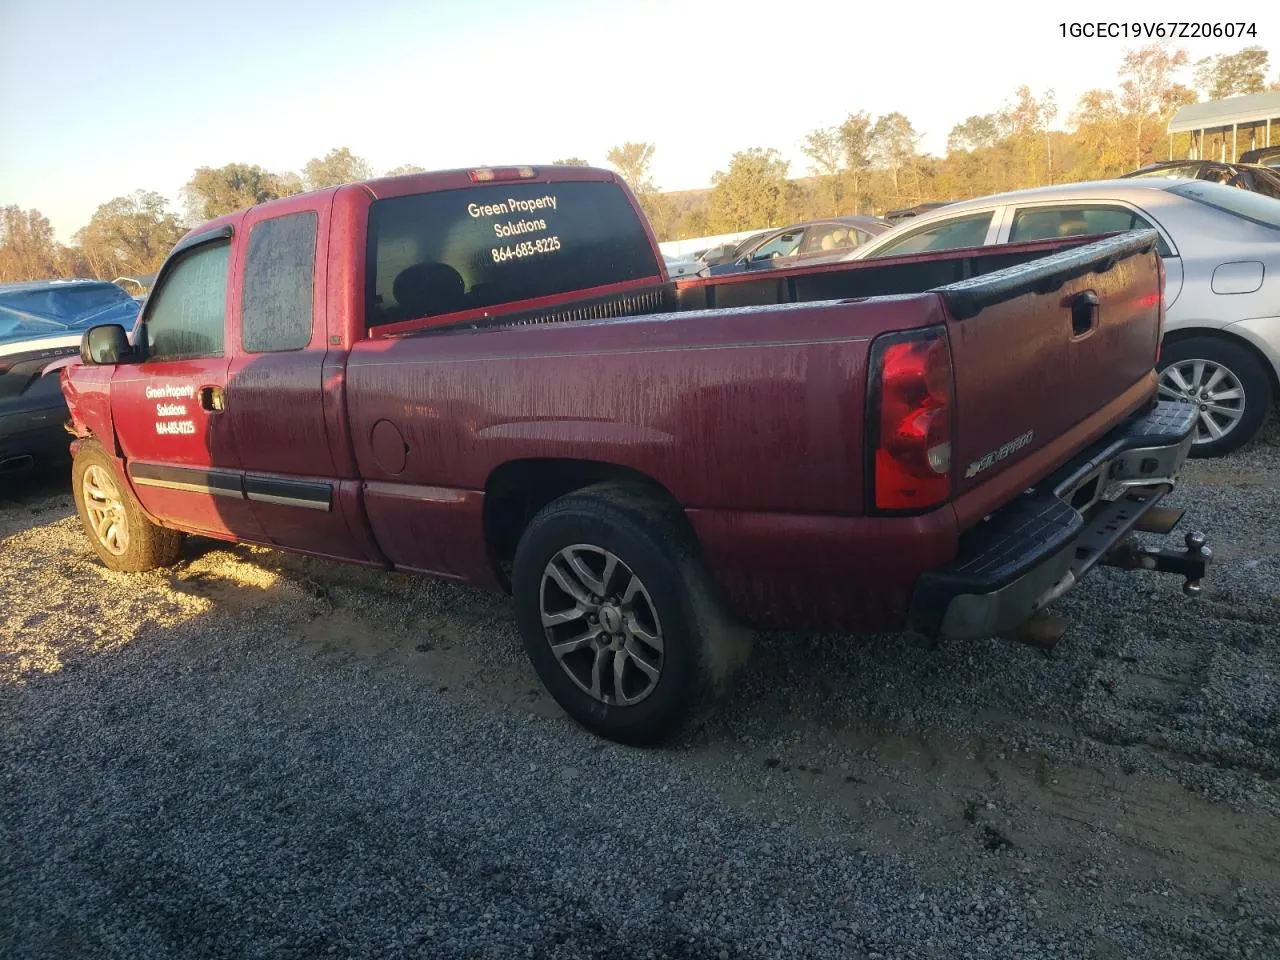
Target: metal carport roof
x,y
1219,114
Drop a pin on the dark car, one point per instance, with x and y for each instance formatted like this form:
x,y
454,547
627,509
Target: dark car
x,y
1246,176
802,243
1264,156
904,213
40,322
729,252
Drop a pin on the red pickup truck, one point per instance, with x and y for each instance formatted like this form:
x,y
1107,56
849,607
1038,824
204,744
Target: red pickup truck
x,y
487,375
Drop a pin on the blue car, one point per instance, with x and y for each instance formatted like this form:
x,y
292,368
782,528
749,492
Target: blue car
x,y
41,321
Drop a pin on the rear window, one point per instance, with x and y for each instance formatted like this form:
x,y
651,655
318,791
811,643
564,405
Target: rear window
x,y
437,253
1241,203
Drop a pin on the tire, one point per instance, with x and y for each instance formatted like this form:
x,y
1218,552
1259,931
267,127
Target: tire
x,y
128,541
674,601
1242,372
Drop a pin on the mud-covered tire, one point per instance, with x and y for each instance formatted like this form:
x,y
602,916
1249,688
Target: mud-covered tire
x,y
122,537
650,539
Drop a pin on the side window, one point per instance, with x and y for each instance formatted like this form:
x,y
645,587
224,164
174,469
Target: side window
x,y
954,234
279,284
831,240
1080,220
783,245
186,314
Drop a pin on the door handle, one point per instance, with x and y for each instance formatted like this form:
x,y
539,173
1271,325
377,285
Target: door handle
x,y
212,399
1084,312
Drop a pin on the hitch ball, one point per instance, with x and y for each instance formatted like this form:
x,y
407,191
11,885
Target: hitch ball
x,y
1197,546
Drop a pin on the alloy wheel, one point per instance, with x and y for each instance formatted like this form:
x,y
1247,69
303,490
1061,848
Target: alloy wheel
x,y
601,624
105,509
1212,388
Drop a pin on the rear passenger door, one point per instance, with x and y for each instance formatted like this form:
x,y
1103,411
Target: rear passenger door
x,y
278,402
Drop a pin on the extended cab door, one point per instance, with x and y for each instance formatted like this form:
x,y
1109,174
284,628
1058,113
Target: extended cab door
x,y
168,410
284,391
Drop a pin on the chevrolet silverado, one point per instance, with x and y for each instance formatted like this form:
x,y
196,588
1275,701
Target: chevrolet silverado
x,y
487,375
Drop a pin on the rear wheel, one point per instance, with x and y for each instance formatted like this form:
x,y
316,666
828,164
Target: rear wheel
x,y
619,616
1226,382
123,538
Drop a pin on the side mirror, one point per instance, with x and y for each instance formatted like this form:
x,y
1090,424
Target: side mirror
x,y
105,345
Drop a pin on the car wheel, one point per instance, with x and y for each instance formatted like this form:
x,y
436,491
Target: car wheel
x,y
619,616
1228,384
123,538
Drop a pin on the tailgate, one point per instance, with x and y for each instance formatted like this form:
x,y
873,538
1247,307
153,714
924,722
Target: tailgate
x,y
1042,347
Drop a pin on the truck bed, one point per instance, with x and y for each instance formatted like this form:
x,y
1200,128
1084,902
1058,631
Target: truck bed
x,y
1080,384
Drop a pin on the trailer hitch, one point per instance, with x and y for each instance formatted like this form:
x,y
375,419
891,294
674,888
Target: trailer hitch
x,y
1192,562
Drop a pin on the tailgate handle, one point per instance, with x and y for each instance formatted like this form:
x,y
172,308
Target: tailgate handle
x,y
1084,313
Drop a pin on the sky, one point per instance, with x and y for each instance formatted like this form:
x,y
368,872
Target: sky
x,y
98,100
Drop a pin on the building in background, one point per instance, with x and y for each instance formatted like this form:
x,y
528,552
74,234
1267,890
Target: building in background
x,y
1238,123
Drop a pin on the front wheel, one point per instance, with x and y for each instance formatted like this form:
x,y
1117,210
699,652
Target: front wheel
x,y
619,617
1226,382
123,538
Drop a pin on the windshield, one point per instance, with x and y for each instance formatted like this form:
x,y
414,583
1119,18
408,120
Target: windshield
x,y
1241,203
59,309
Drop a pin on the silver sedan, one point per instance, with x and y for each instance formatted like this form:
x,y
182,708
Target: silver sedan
x,y
1221,252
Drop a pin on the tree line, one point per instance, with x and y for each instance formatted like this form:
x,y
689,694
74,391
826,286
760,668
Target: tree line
x,y
859,164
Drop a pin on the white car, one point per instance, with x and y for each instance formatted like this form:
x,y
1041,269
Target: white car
x,y
1221,252
680,266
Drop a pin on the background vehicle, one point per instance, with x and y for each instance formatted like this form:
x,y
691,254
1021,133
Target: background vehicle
x,y
1253,177
1266,156
1221,252
680,266
904,213
40,321
802,242
487,375
729,252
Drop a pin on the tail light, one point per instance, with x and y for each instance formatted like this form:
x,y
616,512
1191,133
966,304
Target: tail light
x,y
1164,304
910,410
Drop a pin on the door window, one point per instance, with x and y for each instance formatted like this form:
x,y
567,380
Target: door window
x,y
783,245
1077,220
831,239
969,231
185,315
279,282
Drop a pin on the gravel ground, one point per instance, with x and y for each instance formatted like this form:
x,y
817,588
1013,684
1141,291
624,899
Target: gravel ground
x,y
261,755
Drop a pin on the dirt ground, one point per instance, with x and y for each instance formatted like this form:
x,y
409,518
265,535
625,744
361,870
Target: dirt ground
x,y
1130,774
